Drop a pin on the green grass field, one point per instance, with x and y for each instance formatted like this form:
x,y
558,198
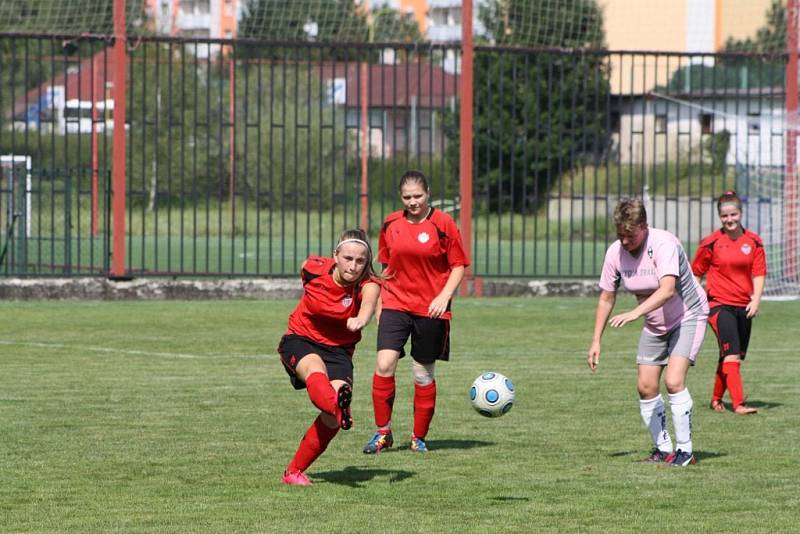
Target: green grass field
x,y
177,417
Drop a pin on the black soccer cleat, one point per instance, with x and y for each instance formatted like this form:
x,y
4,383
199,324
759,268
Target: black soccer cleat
x,y
343,398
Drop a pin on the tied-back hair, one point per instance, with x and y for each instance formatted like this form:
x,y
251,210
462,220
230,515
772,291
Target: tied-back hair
x,y
729,197
630,213
413,176
354,236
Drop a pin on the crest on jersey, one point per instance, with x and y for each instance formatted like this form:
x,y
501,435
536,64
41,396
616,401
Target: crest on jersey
x,y
423,237
650,252
746,249
347,301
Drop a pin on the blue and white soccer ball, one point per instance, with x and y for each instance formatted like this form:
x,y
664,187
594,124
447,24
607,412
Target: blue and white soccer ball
x,y
492,394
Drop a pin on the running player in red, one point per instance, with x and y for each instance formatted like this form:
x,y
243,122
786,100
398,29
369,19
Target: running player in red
x,y
733,261
339,297
424,261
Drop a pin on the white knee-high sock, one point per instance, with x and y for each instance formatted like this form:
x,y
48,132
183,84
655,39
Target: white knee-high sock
x,y
655,419
681,405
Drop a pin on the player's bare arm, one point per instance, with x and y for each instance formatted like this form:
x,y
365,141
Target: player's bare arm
x,y
605,304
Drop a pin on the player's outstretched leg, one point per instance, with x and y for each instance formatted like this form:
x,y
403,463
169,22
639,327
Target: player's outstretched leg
x,y
313,444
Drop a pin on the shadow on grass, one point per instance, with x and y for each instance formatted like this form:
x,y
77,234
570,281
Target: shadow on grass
x,y
443,444
763,405
508,498
700,455
356,476
708,455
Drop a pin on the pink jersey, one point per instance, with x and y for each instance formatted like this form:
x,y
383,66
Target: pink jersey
x,y
661,255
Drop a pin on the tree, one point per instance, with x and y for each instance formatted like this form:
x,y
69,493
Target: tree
x,y
391,26
304,20
537,114
738,69
771,37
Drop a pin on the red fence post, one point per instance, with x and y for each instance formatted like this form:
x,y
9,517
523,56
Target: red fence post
x,y
790,178
465,137
120,56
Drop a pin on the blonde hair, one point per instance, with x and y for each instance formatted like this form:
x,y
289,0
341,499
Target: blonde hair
x,y
630,213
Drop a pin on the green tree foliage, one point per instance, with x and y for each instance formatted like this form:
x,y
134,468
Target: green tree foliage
x,y
178,135
770,38
740,71
304,20
537,114
391,26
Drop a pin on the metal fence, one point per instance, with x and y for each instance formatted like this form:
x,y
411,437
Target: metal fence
x,y
245,156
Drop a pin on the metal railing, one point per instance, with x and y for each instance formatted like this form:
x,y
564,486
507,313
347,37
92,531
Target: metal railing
x,y
245,156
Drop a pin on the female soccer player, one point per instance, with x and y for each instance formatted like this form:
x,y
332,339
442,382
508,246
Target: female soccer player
x,y
652,264
424,261
339,298
735,264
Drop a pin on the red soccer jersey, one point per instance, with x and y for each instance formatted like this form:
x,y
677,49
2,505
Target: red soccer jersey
x,y
418,259
325,306
730,266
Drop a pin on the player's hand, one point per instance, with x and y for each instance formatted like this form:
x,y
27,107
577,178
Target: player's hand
x,y
593,356
752,309
354,324
623,318
438,306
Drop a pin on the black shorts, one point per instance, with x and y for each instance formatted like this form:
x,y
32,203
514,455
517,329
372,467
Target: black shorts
x,y
338,360
430,338
732,328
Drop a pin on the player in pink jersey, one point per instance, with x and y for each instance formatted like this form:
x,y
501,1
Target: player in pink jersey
x,y
339,297
733,261
652,264
424,261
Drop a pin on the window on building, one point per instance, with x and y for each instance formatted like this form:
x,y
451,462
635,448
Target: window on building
x,y
196,6
661,123
754,122
707,123
614,122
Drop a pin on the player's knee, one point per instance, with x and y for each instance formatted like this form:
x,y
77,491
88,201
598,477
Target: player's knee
x,y
423,373
647,390
674,385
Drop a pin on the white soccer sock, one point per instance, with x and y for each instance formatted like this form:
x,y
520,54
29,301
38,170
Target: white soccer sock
x,y
681,405
655,419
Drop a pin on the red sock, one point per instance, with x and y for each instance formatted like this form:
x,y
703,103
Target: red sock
x,y
734,381
424,406
321,393
719,384
314,443
382,399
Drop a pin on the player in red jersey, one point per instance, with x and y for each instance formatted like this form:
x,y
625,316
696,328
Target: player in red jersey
x,y
424,260
733,261
339,297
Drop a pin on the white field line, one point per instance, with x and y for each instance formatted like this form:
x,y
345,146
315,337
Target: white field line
x,y
129,352
361,354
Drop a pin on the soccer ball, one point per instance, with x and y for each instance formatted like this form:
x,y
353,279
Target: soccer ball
x,y
492,394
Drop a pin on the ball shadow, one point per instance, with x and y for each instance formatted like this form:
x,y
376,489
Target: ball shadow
x,y
355,477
